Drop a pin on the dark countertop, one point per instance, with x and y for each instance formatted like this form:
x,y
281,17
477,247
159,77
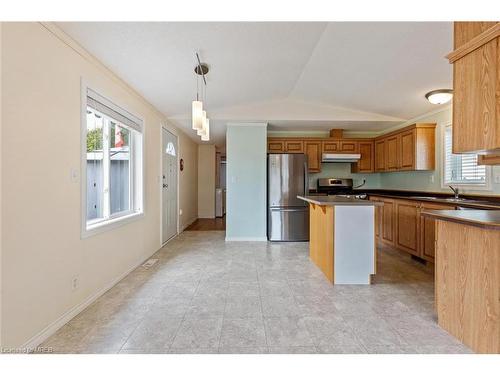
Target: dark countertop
x,y
484,202
488,219
332,200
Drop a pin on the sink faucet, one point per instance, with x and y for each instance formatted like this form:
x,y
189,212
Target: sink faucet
x,y
455,191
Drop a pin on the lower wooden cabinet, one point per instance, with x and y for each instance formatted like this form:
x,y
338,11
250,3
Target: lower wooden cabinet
x,y
407,225
387,228
428,231
399,223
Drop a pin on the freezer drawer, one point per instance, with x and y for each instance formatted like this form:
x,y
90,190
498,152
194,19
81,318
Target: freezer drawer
x,y
288,224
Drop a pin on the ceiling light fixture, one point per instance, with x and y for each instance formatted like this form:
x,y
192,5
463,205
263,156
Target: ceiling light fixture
x,y
199,116
440,96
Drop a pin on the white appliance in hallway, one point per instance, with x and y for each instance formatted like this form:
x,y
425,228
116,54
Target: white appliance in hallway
x,y
169,185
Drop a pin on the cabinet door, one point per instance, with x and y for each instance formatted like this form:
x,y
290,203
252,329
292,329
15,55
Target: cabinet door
x,y
330,146
313,152
407,224
348,147
476,126
380,155
378,217
428,231
275,146
365,163
294,146
407,148
392,153
387,228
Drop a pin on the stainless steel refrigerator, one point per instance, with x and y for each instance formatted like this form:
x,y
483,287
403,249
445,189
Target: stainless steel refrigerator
x,y
288,216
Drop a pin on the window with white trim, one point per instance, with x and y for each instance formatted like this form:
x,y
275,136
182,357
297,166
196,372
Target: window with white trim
x,y
113,162
461,169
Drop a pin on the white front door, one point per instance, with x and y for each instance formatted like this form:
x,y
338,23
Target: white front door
x,y
169,185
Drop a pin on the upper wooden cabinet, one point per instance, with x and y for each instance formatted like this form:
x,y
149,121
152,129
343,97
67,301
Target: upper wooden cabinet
x,y
380,155
313,151
409,149
392,153
331,146
366,163
476,87
294,146
275,146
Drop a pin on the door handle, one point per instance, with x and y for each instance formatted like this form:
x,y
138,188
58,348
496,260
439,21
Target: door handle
x,y
165,186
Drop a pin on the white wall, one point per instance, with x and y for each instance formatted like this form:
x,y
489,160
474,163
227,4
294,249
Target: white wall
x,y
1,196
431,181
188,182
206,181
246,155
41,246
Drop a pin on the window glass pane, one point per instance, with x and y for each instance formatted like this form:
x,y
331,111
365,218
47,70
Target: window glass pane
x,y
119,170
461,168
94,165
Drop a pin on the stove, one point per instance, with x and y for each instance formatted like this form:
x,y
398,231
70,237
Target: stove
x,y
340,187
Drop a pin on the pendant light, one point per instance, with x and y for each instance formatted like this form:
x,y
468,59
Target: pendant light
x,y
200,122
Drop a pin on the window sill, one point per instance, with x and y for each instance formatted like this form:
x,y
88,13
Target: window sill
x,y
91,230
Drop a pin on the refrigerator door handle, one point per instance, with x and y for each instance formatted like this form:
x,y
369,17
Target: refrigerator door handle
x,y
306,178
294,209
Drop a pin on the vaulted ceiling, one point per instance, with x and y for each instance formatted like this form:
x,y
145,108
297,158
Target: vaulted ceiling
x,y
365,76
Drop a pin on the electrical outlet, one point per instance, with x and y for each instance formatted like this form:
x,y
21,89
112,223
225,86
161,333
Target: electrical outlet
x,y
497,179
432,178
180,212
75,283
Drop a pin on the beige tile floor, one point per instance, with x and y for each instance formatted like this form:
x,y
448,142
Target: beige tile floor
x,y
208,296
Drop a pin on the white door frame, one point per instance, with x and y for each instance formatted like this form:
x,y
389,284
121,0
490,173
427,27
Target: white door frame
x,y
160,181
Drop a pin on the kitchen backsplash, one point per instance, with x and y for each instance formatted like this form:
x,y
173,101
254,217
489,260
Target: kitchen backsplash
x,y
343,170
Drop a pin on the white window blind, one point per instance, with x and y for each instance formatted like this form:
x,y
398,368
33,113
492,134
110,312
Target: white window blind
x,y
461,169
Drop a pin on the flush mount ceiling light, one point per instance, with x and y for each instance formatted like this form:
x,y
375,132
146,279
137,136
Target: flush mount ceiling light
x,y
199,116
440,96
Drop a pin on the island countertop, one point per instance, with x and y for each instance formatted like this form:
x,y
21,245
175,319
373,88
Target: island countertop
x,y
332,200
489,219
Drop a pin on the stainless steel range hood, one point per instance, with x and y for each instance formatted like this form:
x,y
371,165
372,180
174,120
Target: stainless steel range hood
x,y
340,158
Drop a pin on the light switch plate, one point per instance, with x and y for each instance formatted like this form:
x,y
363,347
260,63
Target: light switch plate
x,y
74,175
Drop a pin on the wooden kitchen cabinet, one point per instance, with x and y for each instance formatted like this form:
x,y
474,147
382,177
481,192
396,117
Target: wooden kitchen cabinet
x,y
388,221
313,151
366,163
294,146
407,226
378,217
428,230
349,147
275,146
409,149
392,153
488,159
476,84
331,146
380,155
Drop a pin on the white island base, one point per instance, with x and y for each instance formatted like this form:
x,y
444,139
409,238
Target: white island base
x,y
342,238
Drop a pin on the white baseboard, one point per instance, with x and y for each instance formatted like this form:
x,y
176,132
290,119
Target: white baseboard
x,y
52,328
206,216
247,239
187,224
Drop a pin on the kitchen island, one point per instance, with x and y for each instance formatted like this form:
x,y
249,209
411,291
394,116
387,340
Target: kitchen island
x,y
468,276
342,238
